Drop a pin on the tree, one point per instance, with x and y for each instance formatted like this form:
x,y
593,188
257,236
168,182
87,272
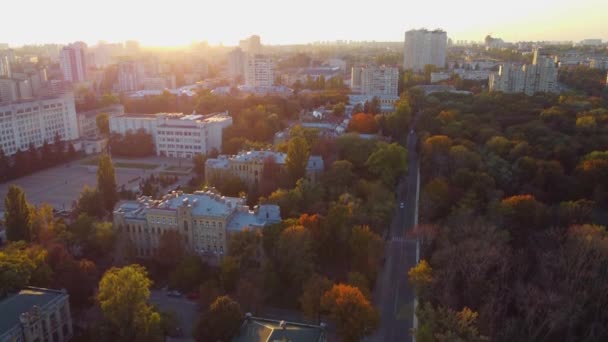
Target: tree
x,y
420,276
363,123
366,248
339,109
17,216
443,324
106,182
199,164
89,203
103,124
229,273
388,162
312,291
220,322
353,314
123,296
22,265
244,246
171,249
188,274
298,153
296,259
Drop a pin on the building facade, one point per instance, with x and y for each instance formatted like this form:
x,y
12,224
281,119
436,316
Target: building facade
x,y
540,76
375,80
129,76
259,71
205,219
36,315
424,47
87,121
73,62
249,166
36,121
176,134
236,63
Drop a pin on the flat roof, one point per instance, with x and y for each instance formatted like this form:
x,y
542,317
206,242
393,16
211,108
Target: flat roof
x,y
14,305
261,329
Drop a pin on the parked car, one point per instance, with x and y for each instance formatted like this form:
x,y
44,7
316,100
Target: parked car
x,y
174,293
401,205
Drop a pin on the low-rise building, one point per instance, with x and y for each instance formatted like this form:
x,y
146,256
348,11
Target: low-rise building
x,y
36,315
176,134
249,166
87,121
204,218
257,329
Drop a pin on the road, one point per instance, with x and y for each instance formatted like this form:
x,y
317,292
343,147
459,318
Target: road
x,y
185,310
393,296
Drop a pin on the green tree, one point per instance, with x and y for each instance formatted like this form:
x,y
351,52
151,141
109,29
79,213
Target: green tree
x,y
106,182
123,297
388,162
353,314
103,124
17,215
443,325
229,273
298,153
220,322
199,164
313,289
89,203
295,263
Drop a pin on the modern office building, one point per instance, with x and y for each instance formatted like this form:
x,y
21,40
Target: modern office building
x,y
249,166
423,47
35,121
36,315
540,76
236,63
87,121
375,80
73,62
176,134
259,71
205,219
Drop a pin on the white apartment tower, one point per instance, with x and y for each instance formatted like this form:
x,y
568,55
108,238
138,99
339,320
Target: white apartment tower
x,y
129,76
73,62
259,71
375,80
424,47
236,63
36,121
540,76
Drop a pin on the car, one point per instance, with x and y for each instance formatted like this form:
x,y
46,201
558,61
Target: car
x,y
174,293
401,205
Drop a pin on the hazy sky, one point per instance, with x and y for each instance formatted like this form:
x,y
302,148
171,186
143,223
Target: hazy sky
x,y
179,22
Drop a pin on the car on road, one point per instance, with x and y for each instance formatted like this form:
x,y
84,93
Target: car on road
x,y
402,205
174,293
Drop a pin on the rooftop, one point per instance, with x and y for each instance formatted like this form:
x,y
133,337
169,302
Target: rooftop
x,y
16,304
260,329
223,160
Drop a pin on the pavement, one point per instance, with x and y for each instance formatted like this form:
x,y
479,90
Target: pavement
x,y
393,296
185,310
61,185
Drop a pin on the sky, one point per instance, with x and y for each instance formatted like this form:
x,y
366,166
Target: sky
x,y
181,22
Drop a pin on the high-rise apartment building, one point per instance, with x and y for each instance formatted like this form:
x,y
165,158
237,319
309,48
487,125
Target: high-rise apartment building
x,y
540,76
236,63
424,47
5,66
259,71
35,121
251,45
129,76
73,62
375,80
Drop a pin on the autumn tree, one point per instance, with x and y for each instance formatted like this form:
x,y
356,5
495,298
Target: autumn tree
x,y
363,123
312,291
103,124
421,277
295,264
220,322
171,249
106,182
89,203
123,297
244,245
366,249
298,152
17,215
352,313
388,163
444,324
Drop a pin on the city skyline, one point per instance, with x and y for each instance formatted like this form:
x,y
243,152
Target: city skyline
x,y
186,21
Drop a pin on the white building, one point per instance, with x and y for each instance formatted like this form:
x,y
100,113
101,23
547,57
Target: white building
x,y
36,121
176,134
205,220
424,47
375,80
36,314
540,76
5,65
259,71
87,121
73,62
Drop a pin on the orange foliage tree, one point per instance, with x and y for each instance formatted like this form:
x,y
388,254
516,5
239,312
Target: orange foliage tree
x,y
363,123
353,314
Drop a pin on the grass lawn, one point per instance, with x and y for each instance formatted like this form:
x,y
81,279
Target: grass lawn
x,y
93,161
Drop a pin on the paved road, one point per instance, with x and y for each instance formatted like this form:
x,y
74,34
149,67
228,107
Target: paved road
x,y
185,310
393,296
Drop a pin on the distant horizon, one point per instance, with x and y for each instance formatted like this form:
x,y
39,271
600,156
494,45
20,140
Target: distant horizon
x,y
38,22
